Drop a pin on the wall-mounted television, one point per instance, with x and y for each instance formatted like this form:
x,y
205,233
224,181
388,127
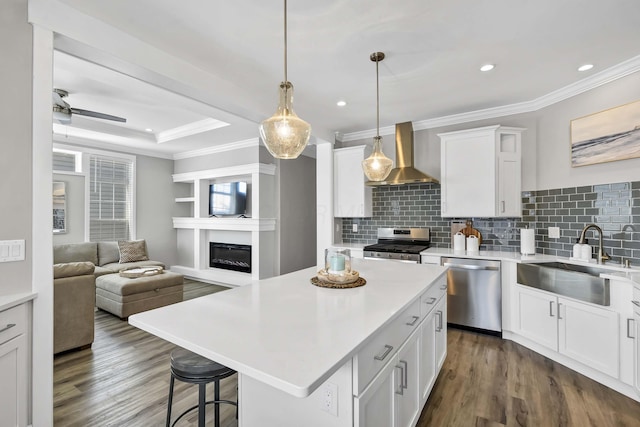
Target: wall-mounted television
x,y
228,198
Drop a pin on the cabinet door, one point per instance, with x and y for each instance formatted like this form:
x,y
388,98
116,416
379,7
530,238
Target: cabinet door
x,y
589,335
351,197
636,353
468,170
408,393
375,405
427,356
509,200
440,317
13,392
537,317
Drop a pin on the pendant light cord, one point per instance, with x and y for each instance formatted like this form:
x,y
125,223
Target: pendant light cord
x,y
377,101
285,44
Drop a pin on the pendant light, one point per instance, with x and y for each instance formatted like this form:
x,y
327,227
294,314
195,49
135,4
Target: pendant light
x,y
285,134
377,166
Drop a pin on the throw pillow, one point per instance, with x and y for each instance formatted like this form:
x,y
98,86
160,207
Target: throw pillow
x,y
132,250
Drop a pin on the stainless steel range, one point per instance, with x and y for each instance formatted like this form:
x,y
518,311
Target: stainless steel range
x,y
399,244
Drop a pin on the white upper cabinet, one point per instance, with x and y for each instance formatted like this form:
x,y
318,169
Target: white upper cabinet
x,y
352,198
481,172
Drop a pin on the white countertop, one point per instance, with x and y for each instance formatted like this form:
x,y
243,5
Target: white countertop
x,y
350,245
284,331
11,300
498,255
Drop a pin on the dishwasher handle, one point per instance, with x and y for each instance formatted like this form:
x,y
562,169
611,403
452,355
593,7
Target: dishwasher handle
x,y
470,266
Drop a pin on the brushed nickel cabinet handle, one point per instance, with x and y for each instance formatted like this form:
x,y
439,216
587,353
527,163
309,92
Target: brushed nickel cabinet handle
x,y
9,326
559,308
413,322
405,377
550,308
502,205
400,390
439,326
629,328
385,353
431,300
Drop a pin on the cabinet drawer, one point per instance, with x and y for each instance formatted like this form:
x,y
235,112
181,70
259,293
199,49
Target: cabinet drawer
x,y
430,297
383,346
12,322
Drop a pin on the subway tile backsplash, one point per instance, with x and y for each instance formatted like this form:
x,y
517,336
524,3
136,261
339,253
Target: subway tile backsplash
x,y
615,208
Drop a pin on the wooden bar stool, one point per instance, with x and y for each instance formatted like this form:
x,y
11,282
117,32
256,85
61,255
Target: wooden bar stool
x,y
189,367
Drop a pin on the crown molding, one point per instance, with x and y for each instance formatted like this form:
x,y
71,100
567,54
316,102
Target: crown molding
x,y
190,129
592,82
83,143
253,142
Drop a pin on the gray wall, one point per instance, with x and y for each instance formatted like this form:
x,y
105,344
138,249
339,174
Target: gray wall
x,y
155,207
75,209
297,214
15,161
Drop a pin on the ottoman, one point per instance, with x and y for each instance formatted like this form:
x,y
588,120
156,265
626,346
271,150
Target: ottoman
x,y
124,296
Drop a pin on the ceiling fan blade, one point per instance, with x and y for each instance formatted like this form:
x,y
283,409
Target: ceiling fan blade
x,y
97,115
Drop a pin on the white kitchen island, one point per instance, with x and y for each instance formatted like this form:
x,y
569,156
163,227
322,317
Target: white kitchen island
x,y
315,356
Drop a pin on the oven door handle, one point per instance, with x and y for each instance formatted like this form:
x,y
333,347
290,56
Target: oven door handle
x,y
470,266
392,259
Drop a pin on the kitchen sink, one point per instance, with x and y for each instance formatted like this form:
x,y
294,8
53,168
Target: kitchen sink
x,y
582,282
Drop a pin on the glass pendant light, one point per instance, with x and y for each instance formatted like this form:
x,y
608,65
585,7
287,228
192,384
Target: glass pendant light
x,y
377,166
285,134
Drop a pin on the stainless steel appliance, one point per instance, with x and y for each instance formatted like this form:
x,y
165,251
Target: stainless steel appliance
x,y
399,244
474,294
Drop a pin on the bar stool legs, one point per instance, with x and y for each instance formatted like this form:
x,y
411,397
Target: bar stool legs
x,y
191,368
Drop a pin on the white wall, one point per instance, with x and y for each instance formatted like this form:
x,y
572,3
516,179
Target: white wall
x,y
15,161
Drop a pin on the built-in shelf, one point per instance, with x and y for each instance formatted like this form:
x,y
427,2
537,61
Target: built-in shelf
x,y
235,224
185,199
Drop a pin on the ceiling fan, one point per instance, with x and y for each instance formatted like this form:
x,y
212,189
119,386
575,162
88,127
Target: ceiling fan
x,y
62,111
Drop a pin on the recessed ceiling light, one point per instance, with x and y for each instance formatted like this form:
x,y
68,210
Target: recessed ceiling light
x,y
487,67
149,130
585,67
341,103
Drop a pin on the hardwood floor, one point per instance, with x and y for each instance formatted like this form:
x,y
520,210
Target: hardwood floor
x,y
123,380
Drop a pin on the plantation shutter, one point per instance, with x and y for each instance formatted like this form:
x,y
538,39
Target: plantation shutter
x,y
64,162
110,198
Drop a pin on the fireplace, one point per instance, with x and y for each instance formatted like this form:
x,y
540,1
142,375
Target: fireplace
x,y
230,256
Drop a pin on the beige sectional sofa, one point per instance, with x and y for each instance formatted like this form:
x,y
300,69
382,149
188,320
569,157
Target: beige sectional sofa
x,y
74,303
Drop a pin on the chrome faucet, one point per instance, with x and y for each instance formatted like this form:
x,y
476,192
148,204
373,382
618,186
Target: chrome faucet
x,y
602,255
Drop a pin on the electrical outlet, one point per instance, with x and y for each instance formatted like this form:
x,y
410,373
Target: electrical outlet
x,y
554,232
329,399
355,228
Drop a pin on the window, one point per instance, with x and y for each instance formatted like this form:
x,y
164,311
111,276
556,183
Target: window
x,y
111,196
67,161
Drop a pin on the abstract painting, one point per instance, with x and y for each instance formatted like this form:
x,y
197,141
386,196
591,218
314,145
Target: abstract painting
x,y
606,136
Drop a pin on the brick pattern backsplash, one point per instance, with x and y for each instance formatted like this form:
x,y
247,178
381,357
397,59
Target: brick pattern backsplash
x,y
615,208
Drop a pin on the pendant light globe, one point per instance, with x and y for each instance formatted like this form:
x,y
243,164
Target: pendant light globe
x,y
377,166
285,134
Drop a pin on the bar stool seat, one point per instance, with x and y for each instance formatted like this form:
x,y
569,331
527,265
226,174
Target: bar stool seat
x,y
189,367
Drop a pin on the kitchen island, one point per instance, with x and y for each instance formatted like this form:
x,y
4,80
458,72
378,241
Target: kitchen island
x,y
293,343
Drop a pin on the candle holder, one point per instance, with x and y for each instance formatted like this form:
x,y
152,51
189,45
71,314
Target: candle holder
x,y
337,261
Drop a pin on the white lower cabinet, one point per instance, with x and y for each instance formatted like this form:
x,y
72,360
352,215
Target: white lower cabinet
x,y
398,392
581,331
13,367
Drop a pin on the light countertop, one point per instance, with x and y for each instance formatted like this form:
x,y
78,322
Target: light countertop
x,y
497,255
11,300
284,331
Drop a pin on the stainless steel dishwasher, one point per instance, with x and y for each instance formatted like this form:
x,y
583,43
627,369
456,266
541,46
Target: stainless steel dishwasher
x,y
474,294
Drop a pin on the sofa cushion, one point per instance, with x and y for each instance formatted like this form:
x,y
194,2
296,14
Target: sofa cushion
x,y
75,252
108,252
132,250
71,269
101,271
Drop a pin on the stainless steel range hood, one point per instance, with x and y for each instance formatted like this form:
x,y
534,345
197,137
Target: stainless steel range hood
x,y
404,172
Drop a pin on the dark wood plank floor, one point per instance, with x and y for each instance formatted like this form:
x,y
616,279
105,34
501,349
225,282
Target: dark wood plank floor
x,y
123,380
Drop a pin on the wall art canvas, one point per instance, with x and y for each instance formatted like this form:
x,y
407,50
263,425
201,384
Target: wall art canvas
x,y
606,136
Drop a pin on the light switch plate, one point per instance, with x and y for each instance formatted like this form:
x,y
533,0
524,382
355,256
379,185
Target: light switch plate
x,y
11,250
554,232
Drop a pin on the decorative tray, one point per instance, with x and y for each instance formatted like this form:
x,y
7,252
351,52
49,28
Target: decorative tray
x,y
338,281
134,272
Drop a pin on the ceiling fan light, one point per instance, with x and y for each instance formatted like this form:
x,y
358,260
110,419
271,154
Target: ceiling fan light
x,y
285,134
377,166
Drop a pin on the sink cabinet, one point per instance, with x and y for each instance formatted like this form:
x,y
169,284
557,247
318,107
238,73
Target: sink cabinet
x,y
481,172
583,332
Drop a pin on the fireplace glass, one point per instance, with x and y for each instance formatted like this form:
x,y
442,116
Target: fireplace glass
x,y
230,256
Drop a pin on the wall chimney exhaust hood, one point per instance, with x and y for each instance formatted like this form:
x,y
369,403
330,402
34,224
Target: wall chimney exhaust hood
x,y
404,172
